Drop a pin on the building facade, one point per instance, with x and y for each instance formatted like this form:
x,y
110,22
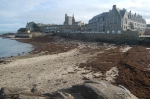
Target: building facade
x,y
69,26
116,21
98,22
59,28
69,20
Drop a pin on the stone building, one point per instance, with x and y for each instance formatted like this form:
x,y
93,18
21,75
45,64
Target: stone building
x,y
59,28
69,26
69,20
98,22
116,21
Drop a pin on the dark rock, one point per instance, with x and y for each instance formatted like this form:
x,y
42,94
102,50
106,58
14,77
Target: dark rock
x,y
87,90
98,90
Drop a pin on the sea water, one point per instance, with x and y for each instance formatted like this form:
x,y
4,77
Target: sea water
x,y
10,47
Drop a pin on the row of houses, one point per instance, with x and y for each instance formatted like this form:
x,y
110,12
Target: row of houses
x,y
114,21
69,25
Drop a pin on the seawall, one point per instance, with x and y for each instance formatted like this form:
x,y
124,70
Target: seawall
x,y
128,37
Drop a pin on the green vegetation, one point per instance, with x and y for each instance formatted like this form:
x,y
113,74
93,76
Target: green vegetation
x,y
35,27
131,25
21,30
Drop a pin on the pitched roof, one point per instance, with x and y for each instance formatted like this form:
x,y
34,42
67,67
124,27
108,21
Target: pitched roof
x,y
121,12
96,18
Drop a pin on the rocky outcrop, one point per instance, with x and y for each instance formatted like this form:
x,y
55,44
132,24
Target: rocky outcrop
x,y
87,90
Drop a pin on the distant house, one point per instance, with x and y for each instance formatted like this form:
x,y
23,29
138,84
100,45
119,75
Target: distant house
x,y
29,26
69,26
59,28
116,21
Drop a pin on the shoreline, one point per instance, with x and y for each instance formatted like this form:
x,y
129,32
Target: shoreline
x,y
60,63
18,48
37,44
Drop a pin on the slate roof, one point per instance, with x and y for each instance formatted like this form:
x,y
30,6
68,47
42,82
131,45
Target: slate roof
x,y
96,18
132,16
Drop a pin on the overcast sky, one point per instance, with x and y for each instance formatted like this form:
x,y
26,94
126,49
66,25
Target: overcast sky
x,y
16,13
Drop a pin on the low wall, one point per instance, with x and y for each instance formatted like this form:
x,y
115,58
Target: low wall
x,y
28,35
23,35
36,34
128,37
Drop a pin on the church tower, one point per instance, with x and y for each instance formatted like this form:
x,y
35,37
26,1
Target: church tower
x,y
69,20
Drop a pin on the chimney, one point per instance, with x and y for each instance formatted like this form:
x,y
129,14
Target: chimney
x,y
66,15
109,11
114,6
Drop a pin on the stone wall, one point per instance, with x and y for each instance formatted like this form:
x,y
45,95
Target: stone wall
x,y
128,37
23,35
29,35
36,34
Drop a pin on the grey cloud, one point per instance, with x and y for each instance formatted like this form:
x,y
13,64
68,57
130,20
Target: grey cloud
x,y
53,11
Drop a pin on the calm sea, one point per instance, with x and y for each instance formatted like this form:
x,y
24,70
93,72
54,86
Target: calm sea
x,y
10,47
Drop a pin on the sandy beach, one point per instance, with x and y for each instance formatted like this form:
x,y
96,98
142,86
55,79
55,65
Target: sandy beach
x,y
57,63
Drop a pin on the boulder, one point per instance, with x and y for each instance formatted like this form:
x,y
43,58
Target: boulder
x,y
86,90
99,90
9,92
16,93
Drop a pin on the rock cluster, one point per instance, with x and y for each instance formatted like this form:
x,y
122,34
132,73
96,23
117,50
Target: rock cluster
x,y
87,90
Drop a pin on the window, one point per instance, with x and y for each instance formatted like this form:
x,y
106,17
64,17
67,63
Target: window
x,y
111,20
101,24
115,20
113,31
125,20
107,31
119,31
101,19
